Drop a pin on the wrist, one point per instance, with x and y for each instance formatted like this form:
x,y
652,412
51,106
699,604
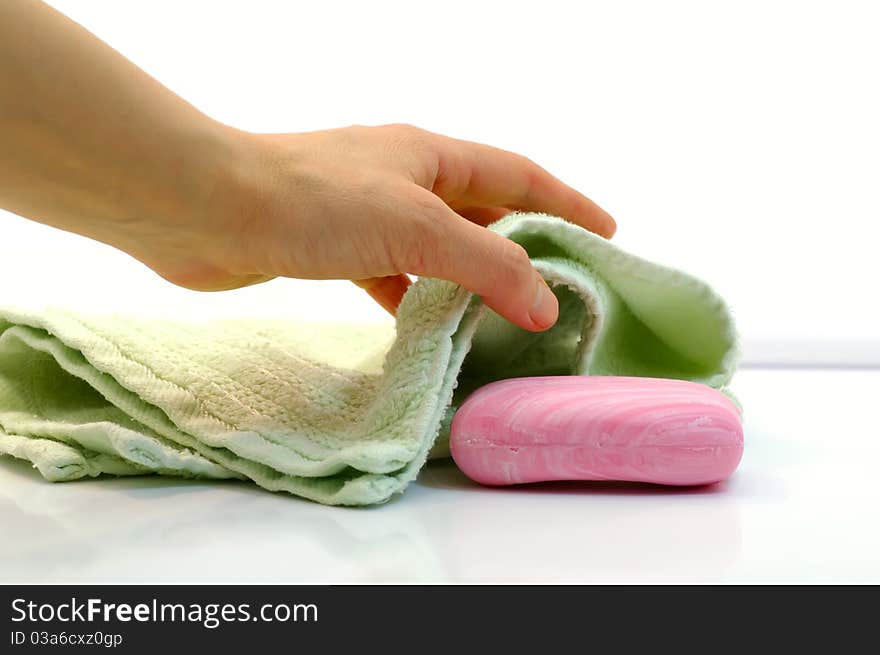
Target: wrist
x,y
179,205
237,196
257,192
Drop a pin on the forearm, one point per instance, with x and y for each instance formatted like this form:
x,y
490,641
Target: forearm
x,y
91,143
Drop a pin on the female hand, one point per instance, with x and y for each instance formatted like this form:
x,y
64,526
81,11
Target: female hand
x,y
95,146
372,204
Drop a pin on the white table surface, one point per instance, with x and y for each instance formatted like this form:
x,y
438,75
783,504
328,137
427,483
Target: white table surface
x,y
801,508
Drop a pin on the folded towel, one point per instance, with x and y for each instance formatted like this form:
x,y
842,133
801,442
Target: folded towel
x,y
340,414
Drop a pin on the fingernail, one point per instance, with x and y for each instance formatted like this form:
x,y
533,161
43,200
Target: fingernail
x,y
545,307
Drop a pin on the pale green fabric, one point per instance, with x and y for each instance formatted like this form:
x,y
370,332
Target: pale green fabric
x,y
340,414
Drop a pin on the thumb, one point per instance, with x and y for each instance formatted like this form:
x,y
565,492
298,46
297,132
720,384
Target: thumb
x,y
488,264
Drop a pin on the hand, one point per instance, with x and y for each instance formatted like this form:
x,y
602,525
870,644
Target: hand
x,y
93,145
371,204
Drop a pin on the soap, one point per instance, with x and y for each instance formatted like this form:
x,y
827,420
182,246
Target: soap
x,y
572,427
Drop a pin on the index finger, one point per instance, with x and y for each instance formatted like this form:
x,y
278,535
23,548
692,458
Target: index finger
x,y
476,175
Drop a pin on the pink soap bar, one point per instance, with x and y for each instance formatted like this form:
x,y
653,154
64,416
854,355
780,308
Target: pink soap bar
x,y
597,428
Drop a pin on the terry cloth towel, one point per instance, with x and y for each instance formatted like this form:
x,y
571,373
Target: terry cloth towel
x,y
340,414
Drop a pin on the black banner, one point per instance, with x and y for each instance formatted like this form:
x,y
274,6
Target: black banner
x,y
509,619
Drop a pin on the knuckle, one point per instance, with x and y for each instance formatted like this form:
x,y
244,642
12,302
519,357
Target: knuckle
x,y
413,148
404,128
515,260
408,136
536,176
423,246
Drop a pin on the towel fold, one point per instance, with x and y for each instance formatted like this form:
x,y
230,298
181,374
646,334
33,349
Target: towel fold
x,y
340,414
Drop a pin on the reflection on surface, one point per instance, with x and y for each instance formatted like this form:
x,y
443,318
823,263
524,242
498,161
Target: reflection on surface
x,y
445,529
584,532
802,507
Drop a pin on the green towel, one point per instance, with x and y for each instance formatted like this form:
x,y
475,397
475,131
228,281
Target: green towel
x,y
340,414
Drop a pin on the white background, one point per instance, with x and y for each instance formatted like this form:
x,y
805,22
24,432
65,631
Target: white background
x,y
738,141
